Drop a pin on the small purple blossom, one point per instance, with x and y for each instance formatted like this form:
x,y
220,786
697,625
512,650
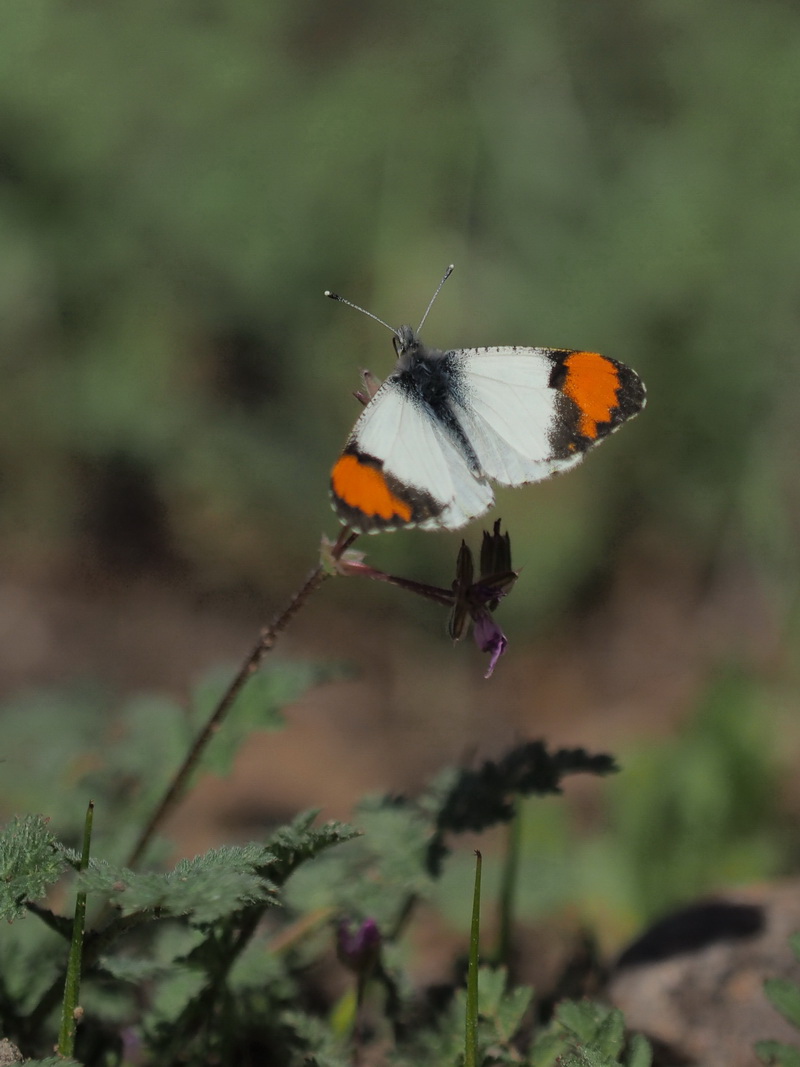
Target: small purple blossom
x,y
132,1046
490,638
474,601
358,947
471,601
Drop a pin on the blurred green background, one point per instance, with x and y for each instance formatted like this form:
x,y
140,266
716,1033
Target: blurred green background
x,y
181,179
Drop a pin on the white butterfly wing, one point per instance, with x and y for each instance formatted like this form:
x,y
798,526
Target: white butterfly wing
x,y
423,468
509,411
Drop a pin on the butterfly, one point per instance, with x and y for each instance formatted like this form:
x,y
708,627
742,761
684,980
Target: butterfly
x,y
445,424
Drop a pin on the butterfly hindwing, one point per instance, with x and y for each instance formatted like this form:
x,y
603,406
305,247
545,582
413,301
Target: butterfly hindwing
x,y
401,468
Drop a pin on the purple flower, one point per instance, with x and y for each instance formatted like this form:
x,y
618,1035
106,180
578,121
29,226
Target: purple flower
x,y
490,638
471,601
358,948
476,600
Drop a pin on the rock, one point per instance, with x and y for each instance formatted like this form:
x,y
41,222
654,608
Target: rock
x,y
693,982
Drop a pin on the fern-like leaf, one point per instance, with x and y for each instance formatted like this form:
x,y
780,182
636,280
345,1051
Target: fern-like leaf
x,y
30,863
206,888
474,800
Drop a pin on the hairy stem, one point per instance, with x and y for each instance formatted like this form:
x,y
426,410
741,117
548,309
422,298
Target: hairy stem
x,y
266,642
446,597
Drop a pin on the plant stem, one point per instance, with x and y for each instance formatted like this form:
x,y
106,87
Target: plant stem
x,y
471,1029
72,985
358,1030
446,597
508,886
266,642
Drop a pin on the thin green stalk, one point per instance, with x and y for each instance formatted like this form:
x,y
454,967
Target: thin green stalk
x,y
358,1029
508,887
72,987
471,1032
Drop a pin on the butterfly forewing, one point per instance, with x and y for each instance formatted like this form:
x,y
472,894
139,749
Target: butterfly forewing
x,y
532,412
508,411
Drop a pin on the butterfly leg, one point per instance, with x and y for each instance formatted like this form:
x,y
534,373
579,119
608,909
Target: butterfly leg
x,y
371,386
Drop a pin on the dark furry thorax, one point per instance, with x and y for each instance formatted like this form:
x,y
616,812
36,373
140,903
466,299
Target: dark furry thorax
x,y
426,374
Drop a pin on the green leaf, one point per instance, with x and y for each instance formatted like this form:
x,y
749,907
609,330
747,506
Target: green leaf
x,y
130,774
474,800
52,1061
502,1006
640,1054
493,981
314,1042
593,1024
511,1011
583,1034
41,773
258,968
295,844
443,1044
29,864
374,875
777,1054
155,732
218,883
206,888
588,1056
259,705
172,993
132,969
610,1036
785,998
548,1045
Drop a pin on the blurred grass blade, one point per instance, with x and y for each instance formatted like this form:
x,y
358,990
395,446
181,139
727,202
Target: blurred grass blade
x,y
471,1033
508,886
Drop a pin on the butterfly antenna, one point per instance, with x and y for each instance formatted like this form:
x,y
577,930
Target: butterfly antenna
x,y
350,304
447,274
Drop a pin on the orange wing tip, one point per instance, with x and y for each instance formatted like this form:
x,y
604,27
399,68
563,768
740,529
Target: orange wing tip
x,y
360,489
592,383
604,391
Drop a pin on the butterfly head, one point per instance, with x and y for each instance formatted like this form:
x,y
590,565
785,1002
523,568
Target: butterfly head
x,y
405,341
